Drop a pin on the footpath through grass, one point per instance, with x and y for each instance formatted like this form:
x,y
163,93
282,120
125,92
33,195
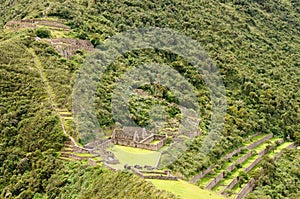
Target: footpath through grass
x,y
185,190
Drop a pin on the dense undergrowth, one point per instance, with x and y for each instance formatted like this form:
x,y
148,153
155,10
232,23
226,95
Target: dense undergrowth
x,y
31,135
278,179
255,44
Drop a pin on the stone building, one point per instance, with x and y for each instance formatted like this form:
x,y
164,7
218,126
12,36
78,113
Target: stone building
x,y
138,137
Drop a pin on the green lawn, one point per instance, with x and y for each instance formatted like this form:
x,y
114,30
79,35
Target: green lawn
x,y
133,156
184,189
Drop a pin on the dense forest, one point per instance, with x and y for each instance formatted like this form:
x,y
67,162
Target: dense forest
x,y
255,44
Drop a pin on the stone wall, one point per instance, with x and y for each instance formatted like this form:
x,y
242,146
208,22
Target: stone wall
x,y
236,151
80,149
215,181
263,152
34,23
128,140
156,172
202,174
251,146
163,175
246,189
289,147
108,166
230,185
252,165
230,155
74,157
67,46
148,139
245,157
231,167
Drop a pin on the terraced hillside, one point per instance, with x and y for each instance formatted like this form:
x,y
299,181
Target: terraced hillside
x,y
229,178
36,125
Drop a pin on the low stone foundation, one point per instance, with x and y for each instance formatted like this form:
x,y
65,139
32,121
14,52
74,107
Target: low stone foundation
x,y
161,175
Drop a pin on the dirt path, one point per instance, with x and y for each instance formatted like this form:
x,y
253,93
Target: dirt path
x,y
50,93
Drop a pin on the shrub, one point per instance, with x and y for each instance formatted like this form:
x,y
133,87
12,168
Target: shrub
x,y
43,33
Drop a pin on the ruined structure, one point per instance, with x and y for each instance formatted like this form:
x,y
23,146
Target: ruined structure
x,y
160,175
35,23
138,137
67,46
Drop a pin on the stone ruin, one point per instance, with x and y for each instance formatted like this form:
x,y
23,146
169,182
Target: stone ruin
x,y
138,137
160,175
67,47
35,23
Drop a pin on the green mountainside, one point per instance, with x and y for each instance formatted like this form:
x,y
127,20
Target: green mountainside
x,y
255,44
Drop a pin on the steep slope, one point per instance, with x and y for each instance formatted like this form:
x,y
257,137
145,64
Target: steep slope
x,y
255,45
31,138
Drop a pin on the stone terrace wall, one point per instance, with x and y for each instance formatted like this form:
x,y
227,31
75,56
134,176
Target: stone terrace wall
x,y
246,189
202,174
231,184
162,177
278,154
236,151
251,146
230,155
215,181
34,23
253,164
245,157
230,168
80,149
111,168
74,157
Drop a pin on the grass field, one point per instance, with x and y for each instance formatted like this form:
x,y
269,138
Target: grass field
x,y
185,190
133,156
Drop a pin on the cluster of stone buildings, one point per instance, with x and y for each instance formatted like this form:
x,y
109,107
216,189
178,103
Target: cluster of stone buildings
x,y
138,137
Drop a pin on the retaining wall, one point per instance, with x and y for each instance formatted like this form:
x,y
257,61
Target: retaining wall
x,y
246,189
231,184
236,151
161,177
80,149
245,157
74,157
253,164
251,146
278,154
154,176
202,174
215,181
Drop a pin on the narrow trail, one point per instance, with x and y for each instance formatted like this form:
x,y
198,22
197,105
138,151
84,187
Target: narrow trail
x,y
50,93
